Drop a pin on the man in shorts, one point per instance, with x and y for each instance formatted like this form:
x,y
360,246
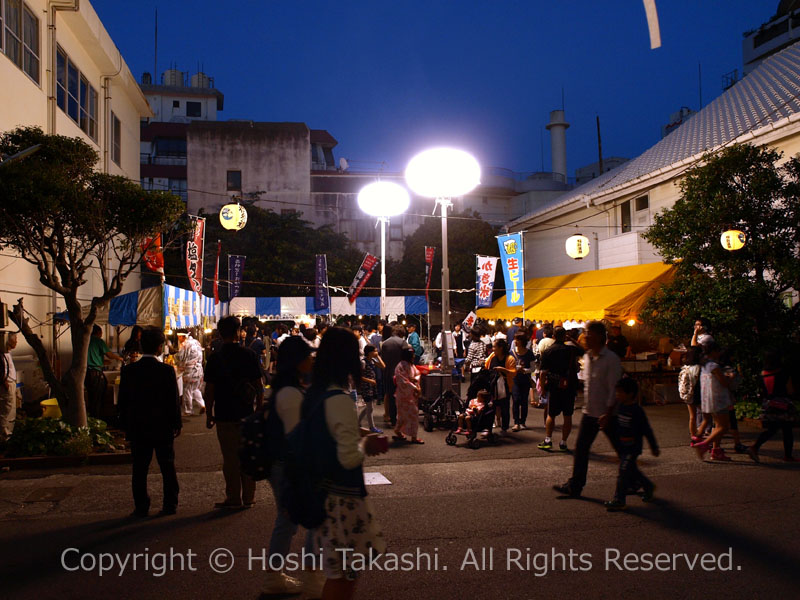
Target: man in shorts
x,y
560,373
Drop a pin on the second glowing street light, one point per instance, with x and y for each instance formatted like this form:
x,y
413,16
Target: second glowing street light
x,y
383,199
443,174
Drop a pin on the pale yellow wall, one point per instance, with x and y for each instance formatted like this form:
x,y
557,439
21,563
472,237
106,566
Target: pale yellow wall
x,y
23,103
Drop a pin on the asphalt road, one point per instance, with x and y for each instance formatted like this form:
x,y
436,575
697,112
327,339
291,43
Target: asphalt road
x,y
447,507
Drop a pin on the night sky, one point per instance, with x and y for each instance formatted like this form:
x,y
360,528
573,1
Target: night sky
x,y
387,79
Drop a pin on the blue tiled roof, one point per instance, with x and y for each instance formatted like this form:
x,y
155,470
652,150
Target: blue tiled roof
x,y
770,93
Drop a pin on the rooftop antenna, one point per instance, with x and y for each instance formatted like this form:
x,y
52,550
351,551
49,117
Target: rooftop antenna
x,y
155,55
700,84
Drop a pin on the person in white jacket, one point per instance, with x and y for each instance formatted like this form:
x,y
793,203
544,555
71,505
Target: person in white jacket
x,y
190,361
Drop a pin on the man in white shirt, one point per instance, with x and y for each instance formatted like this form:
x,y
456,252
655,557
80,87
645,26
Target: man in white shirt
x,y
8,389
601,372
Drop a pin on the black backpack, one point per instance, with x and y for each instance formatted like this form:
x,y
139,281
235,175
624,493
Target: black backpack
x,y
262,441
305,468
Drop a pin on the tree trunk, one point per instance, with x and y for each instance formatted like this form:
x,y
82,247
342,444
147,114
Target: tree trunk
x,y
76,374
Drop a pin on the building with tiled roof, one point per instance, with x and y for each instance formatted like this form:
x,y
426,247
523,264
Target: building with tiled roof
x,y
616,207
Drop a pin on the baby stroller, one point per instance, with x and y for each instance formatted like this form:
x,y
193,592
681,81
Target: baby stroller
x,y
486,380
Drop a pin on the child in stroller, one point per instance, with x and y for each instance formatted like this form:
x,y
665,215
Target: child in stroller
x,y
480,413
473,413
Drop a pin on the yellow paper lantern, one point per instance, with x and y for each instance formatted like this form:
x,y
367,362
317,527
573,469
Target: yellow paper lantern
x,y
233,216
733,239
577,246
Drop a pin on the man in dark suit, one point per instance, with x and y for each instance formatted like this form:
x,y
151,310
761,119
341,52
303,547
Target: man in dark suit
x,y
150,413
392,354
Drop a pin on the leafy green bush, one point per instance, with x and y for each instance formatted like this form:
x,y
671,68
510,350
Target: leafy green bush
x,y
33,437
748,410
40,436
79,444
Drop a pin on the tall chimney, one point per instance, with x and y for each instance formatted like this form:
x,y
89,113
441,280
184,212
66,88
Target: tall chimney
x,y
558,142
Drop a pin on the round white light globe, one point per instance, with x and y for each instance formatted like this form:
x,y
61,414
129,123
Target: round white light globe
x,y
383,199
443,173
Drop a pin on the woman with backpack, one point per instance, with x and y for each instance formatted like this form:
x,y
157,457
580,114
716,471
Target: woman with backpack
x,y
337,455
294,362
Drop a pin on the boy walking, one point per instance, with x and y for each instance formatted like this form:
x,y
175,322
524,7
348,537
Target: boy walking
x,y
632,426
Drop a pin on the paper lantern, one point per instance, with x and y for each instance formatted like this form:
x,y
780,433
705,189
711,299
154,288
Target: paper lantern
x,y
733,239
577,246
233,216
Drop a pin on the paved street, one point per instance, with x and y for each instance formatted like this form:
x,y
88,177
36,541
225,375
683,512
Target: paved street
x,y
443,501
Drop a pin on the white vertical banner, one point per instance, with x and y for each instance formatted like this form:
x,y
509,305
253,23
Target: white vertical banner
x,y
484,281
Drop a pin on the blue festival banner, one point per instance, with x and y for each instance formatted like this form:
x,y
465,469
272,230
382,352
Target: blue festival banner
x,y
235,272
511,259
322,298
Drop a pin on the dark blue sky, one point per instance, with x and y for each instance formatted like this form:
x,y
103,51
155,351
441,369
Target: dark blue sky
x,y
390,78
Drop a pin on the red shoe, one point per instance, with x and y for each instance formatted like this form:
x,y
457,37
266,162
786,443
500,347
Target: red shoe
x,y
695,440
718,454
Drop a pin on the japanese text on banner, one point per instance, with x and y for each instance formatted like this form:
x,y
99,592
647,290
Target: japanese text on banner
x,y
511,259
484,284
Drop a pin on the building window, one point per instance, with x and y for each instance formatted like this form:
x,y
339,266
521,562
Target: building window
x,y
75,95
642,203
365,231
234,181
192,109
170,147
176,104
396,232
116,140
626,216
19,36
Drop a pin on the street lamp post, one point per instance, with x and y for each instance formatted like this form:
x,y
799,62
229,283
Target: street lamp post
x,y
383,199
443,174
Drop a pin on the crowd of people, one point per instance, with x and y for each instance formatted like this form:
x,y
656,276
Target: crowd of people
x,y
334,376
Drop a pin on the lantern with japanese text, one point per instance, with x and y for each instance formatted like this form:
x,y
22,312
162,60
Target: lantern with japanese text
x,y
233,216
577,246
733,239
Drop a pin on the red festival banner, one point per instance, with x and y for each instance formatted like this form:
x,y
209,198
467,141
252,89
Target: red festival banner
x,y
362,276
194,255
153,254
430,252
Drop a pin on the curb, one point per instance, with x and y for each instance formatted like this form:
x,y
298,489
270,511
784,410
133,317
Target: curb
x,y
55,462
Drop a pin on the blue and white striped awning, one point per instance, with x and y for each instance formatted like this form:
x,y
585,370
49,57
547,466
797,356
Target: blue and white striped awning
x,y
181,307
291,307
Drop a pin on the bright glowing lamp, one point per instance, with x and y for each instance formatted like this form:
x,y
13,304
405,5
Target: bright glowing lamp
x,y
577,246
631,322
443,173
383,199
233,217
491,322
508,323
733,239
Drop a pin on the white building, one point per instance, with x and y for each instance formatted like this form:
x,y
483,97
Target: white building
x,y
780,31
60,71
613,209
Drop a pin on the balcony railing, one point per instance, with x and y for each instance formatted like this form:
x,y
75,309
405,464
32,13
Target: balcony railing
x,y
149,159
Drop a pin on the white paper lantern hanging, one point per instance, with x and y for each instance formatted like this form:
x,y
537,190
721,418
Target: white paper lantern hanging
x,y
233,217
577,246
733,239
